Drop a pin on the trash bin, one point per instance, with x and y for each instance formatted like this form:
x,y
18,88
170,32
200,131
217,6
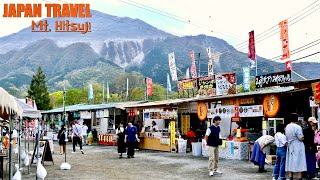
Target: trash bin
x,y
182,146
196,148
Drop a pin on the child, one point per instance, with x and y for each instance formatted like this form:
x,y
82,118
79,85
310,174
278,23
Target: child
x,y
279,172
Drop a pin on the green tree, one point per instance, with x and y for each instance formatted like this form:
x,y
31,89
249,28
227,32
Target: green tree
x,y
38,90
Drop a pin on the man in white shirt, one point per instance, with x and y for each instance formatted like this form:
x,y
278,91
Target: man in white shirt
x,y
84,133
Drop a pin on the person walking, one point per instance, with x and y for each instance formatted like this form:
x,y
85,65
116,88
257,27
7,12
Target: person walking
x,y
310,148
259,150
84,133
120,132
279,172
296,156
62,139
130,138
213,141
76,136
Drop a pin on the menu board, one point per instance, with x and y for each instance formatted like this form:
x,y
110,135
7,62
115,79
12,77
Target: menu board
x,y
206,86
229,111
226,84
251,111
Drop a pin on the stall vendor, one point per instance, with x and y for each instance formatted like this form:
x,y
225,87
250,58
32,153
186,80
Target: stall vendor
x,y
259,151
154,127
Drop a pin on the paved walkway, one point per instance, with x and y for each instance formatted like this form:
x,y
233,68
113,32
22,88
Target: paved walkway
x,y
101,162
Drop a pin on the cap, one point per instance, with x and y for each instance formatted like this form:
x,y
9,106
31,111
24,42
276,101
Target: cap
x,y
312,119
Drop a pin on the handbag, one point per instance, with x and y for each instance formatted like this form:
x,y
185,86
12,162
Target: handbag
x,y
220,142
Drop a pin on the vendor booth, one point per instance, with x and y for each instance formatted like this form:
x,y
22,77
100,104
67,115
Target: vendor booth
x,y
159,139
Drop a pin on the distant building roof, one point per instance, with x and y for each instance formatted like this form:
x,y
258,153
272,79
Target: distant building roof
x,y
83,107
273,90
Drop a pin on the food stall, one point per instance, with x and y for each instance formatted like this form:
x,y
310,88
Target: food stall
x,y
161,140
236,112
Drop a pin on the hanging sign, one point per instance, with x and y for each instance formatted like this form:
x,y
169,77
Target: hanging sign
x,y
249,100
271,105
273,79
251,111
226,84
316,92
202,111
206,86
187,84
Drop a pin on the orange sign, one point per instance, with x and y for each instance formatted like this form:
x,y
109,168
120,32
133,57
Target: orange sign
x,y
271,105
316,92
202,111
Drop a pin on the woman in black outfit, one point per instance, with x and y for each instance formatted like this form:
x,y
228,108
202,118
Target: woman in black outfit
x,y
121,135
62,138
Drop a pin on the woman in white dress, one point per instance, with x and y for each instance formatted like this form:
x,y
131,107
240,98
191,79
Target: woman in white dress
x,y
296,157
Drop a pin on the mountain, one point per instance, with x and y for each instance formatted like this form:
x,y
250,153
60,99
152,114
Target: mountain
x,y
117,45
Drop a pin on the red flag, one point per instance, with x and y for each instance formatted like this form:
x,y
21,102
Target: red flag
x,y
193,68
252,49
284,39
289,65
149,86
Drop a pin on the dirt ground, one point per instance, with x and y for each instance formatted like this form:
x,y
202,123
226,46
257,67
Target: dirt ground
x,y
102,162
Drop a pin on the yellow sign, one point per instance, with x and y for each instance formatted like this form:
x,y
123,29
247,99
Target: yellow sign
x,y
185,124
202,111
264,125
316,92
227,102
271,105
238,133
249,100
173,134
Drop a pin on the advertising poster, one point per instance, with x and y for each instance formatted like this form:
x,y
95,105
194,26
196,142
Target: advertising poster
x,y
226,84
206,86
187,84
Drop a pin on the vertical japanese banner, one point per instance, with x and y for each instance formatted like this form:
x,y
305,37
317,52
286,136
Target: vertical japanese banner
x,y
168,83
173,134
210,66
188,74
193,69
149,86
246,78
252,50
173,67
90,93
284,36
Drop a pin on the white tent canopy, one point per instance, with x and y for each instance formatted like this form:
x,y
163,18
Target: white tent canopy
x,y
28,111
8,104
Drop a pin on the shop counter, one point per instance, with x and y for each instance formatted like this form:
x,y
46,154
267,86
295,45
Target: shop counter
x,y
235,150
230,150
155,141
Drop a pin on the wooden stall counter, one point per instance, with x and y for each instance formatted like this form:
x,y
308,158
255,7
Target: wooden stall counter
x,y
151,142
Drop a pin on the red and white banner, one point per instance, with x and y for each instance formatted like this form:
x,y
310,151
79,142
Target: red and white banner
x,y
289,65
193,68
252,49
284,36
149,86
